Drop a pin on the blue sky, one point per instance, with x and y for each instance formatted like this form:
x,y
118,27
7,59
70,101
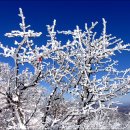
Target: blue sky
x,y
68,14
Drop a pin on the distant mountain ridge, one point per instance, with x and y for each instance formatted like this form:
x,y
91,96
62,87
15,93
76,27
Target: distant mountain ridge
x,y
124,108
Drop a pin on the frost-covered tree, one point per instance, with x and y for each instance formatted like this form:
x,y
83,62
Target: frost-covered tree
x,y
25,107
95,81
16,86
82,69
